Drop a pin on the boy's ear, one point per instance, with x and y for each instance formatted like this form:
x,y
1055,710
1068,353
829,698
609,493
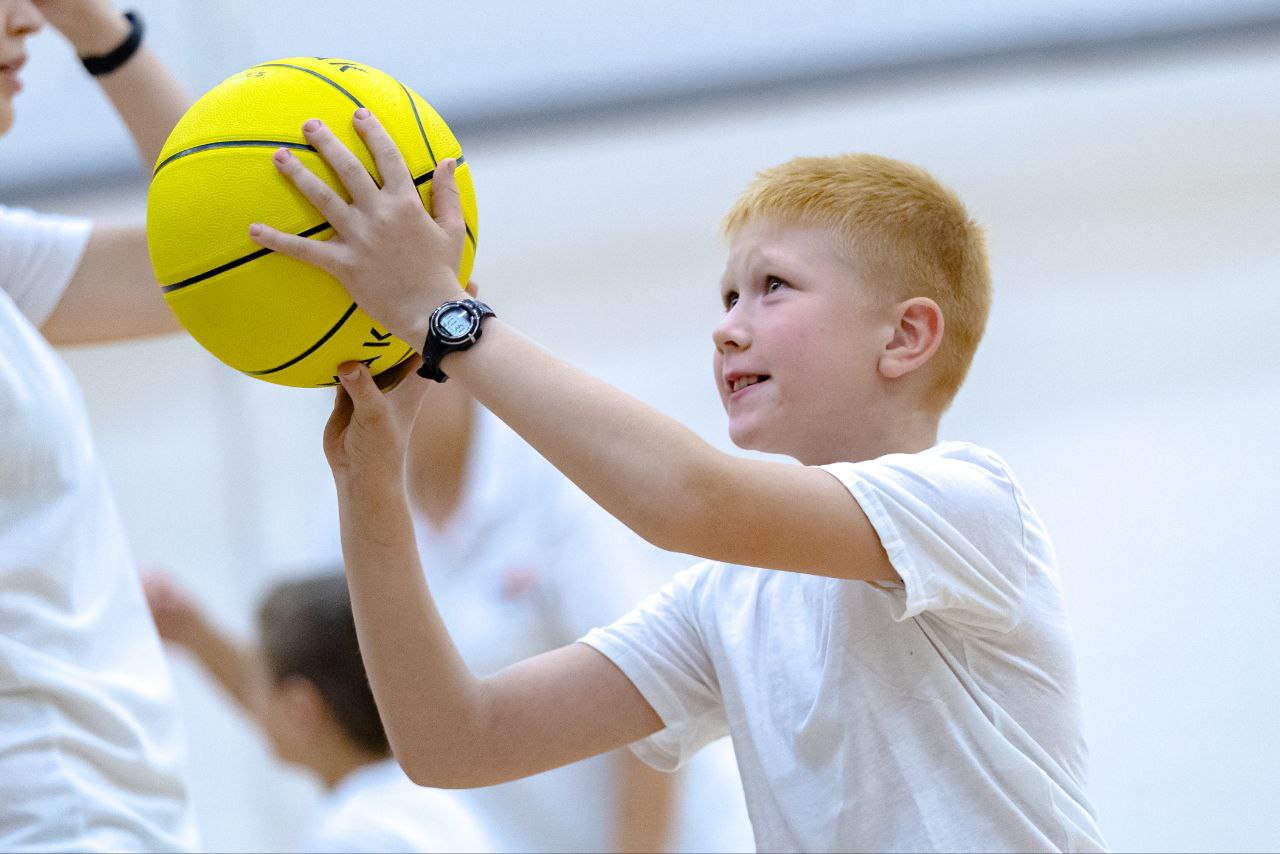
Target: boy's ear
x,y
916,337
306,705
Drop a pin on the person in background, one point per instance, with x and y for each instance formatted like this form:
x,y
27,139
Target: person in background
x,y
305,686
91,745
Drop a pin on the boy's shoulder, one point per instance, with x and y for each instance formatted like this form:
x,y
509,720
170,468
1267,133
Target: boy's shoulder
x,y
953,479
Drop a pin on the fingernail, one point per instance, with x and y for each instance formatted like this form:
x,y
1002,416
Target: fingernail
x,y
452,167
255,230
282,155
311,125
362,113
346,370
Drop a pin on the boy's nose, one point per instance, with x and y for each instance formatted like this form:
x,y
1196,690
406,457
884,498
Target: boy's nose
x,y
23,19
730,333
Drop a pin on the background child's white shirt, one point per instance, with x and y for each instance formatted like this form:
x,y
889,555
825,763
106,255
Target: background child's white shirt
x,y
940,714
91,747
527,564
378,808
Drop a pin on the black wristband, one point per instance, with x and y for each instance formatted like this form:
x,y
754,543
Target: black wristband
x,y
109,62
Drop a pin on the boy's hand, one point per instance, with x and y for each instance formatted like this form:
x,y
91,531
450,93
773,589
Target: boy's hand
x,y
368,430
397,262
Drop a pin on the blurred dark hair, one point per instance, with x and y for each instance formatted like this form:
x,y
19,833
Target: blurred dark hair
x,y
307,630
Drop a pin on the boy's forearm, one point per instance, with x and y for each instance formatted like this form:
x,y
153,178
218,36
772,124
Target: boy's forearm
x,y
630,458
429,700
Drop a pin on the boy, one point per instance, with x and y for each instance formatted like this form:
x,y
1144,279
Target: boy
x,y
907,682
306,686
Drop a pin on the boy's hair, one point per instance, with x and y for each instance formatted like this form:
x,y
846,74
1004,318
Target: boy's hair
x,y
905,231
306,629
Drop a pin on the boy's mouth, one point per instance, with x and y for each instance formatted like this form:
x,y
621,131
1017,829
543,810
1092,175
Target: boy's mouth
x,y
738,383
9,72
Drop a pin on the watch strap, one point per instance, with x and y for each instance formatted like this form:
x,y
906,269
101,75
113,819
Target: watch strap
x,y
122,53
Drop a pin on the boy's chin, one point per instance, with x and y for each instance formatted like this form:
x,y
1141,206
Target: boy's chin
x,y
754,439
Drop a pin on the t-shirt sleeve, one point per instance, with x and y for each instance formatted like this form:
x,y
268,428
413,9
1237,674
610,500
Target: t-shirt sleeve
x,y
39,254
952,528
660,649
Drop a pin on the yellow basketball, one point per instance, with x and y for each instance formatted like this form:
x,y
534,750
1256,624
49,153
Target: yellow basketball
x,y
264,314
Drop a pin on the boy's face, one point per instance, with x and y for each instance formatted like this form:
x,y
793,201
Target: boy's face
x,y
796,353
18,19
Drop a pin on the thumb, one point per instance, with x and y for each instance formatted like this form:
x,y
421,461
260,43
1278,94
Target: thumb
x,y
366,397
446,204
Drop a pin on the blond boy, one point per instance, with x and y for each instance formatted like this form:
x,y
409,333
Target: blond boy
x,y
905,682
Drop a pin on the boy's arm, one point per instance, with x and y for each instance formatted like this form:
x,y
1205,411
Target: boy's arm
x,y
646,469
446,727
113,294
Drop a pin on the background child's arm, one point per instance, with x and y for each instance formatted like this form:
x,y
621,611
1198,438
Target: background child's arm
x,y
446,727
180,620
113,294
649,471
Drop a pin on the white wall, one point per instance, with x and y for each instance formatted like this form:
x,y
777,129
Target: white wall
x,y
1129,375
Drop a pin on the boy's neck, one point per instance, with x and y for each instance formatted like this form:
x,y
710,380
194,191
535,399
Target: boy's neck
x,y
870,437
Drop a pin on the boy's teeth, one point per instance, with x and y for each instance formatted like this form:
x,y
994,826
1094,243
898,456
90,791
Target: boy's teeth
x,y
743,382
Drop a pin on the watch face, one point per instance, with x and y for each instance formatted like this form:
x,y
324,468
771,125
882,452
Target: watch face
x,y
456,322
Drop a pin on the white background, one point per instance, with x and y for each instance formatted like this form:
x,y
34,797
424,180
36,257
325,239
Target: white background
x,y
1129,372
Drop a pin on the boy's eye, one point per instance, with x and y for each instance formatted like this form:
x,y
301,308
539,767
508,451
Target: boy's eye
x,y
730,300
773,283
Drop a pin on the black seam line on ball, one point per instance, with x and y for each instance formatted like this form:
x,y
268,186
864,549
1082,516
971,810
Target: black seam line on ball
x,y
233,143
315,229
337,86
316,346
231,265
422,179
421,129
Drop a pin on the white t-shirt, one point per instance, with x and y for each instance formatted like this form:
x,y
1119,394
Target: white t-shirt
x,y
941,714
91,747
377,808
528,563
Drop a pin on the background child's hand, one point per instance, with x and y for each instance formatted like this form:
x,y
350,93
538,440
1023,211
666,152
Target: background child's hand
x,y
368,430
397,262
177,616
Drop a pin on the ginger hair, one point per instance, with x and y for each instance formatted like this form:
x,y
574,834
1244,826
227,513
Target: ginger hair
x,y
905,232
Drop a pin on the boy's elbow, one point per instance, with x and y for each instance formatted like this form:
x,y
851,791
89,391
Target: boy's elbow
x,y
434,772
445,757
456,773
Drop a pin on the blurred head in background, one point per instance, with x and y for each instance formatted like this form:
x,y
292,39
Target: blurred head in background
x,y
18,20
314,698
